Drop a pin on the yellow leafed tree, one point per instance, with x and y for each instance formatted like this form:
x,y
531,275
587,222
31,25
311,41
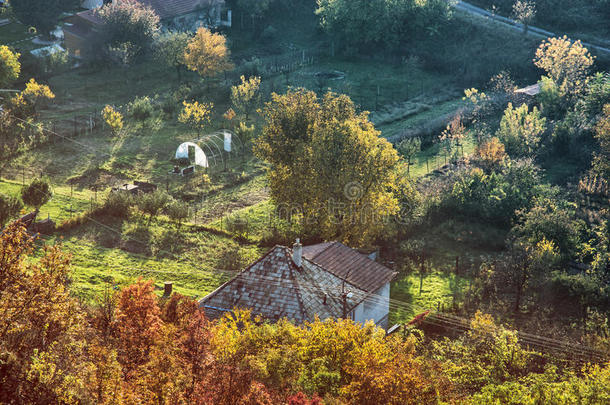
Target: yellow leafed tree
x,y
246,95
207,53
566,62
195,114
112,118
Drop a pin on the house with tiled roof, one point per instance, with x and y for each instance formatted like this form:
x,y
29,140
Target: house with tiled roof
x,y
328,280
181,15
190,14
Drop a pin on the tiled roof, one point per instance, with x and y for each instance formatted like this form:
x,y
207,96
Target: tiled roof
x,y
173,8
274,287
350,264
90,16
76,30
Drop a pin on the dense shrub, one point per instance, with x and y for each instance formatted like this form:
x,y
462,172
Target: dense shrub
x,y
37,193
494,196
141,108
118,204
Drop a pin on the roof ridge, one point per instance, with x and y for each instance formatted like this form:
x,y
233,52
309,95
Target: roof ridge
x,y
232,279
325,249
334,274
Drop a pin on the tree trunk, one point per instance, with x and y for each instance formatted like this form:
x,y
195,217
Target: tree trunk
x,y
519,292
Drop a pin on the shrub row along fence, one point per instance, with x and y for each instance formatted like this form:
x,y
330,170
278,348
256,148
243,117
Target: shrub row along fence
x,y
67,200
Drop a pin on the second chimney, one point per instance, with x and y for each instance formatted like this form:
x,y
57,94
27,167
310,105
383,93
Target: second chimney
x,y
297,253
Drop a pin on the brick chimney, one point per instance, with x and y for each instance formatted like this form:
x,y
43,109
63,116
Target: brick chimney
x,y
297,253
167,290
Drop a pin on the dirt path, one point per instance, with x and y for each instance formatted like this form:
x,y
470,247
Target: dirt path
x,y
514,25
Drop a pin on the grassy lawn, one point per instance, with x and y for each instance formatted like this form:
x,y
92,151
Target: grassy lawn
x,y
13,32
64,199
202,254
113,251
437,289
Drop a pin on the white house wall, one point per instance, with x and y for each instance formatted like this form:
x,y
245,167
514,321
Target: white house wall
x,y
375,308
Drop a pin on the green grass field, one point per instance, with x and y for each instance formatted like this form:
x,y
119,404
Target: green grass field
x,y
14,33
437,290
64,203
402,96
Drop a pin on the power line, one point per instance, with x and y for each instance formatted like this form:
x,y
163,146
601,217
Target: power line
x,y
437,318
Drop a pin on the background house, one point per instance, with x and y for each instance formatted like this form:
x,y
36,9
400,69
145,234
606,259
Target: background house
x,y
293,284
180,15
79,31
190,14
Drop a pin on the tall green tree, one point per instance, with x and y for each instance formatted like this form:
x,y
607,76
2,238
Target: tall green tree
x,y
169,50
328,162
128,26
383,23
408,147
42,14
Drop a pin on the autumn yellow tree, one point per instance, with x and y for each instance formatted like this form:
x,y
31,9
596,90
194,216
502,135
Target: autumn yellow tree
x,y
207,53
524,12
42,327
112,118
195,114
246,95
9,66
27,101
491,153
566,62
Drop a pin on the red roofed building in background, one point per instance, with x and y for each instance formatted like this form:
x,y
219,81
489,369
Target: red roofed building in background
x,y
180,15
